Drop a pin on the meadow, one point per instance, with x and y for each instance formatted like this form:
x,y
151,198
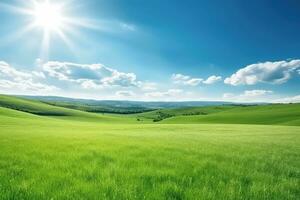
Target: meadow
x,y
80,155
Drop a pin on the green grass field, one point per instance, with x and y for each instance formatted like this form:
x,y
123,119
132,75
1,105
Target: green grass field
x,y
79,155
280,114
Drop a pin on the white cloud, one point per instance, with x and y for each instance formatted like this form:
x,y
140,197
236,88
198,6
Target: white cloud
x,y
193,81
120,79
66,78
256,93
25,86
169,93
249,96
147,86
75,72
7,71
90,84
212,79
179,78
267,72
125,93
13,80
293,99
187,80
90,76
39,74
227,96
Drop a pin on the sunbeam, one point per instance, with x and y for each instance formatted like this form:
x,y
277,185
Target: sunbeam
x,y
52,19
46,16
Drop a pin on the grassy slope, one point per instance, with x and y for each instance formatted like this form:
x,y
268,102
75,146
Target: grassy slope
x,y
185,111
98,108
49,158
288,114
42,109
265,114
44,157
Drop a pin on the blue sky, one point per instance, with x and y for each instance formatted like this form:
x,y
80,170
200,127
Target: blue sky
x,y
152,50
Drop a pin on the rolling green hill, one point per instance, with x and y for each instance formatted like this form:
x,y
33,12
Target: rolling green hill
x,y
285,114
123,104
41,109
282,114
159,115
95,156
42,157
99,109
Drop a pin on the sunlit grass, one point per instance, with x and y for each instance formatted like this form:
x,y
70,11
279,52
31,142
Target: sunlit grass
x,y
58,159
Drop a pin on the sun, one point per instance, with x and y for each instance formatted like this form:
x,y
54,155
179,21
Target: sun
x,y
52,19
48,16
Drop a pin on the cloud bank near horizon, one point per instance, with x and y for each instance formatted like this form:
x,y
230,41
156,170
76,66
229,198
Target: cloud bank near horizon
x,y
98,80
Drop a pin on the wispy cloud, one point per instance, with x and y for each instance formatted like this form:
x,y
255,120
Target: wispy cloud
x,y
212,79
187,80
125,93
147,86
169,93
13,80
249,96
291,99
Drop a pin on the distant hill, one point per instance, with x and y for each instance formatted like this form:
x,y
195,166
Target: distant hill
x,y
162,114
142,105
42,109
283,114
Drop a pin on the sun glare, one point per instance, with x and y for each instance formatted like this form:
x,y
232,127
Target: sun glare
x,y
51,17
48,16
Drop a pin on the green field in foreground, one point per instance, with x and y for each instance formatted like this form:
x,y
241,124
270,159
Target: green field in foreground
x,y
45,157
